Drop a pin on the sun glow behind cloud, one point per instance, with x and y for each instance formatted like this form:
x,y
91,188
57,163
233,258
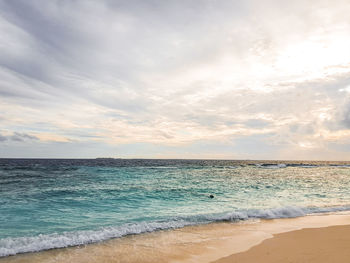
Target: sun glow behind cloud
x,y
224,79
316,58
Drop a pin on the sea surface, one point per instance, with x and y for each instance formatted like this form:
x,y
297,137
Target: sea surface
x,y
49,203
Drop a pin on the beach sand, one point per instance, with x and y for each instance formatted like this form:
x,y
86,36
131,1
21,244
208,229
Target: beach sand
x,y
218,241
320,245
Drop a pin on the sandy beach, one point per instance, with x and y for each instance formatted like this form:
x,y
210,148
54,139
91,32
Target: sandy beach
x,y
304,239
321,245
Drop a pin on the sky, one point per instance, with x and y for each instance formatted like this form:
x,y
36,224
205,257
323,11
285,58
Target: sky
x,y
212,79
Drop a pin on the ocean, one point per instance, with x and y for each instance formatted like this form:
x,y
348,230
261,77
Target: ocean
x,y
55,203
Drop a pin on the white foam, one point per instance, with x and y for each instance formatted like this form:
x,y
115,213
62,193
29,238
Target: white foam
x,y
12,246
278,166
271,166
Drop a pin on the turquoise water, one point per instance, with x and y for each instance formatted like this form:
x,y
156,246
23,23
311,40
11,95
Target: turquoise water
x,y
57,203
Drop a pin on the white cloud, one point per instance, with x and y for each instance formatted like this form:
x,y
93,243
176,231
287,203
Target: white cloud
x,y
176,73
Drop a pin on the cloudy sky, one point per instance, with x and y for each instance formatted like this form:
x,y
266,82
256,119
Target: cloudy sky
x,y
238,79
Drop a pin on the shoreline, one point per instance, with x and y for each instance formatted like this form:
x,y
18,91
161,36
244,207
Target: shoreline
x,y
44,242
203,243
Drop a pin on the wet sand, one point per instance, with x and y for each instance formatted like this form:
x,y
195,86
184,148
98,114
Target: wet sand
x,y
206,243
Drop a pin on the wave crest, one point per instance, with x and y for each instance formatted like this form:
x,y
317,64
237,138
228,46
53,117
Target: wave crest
x,y
11,246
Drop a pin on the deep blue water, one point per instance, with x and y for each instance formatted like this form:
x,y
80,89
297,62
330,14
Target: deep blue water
x,y
56,203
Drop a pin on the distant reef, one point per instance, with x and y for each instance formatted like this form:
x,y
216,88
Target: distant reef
x,y
107,158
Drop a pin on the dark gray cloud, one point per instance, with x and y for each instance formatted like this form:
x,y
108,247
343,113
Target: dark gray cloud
x,y
18,137
346,117
2,138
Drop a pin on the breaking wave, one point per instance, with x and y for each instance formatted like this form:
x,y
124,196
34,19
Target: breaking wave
x,y
11,246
